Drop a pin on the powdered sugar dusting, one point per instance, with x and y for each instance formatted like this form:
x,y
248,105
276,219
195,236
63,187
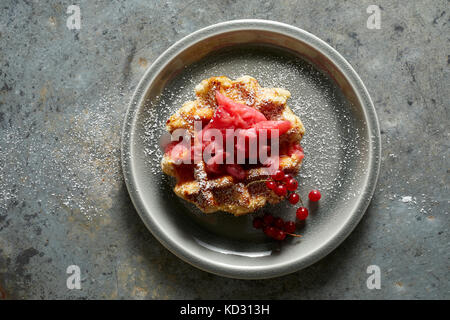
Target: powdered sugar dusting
x,y
71,162
406,199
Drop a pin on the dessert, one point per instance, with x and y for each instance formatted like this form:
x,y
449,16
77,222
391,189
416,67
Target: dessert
x,y
221,182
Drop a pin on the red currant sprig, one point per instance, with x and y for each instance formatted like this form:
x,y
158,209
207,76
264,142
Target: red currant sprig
x,y
281,183
275,228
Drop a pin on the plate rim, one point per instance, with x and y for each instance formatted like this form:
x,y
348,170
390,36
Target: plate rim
x,y
350,75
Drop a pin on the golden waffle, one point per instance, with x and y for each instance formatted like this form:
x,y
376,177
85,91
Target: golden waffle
x,y
224,193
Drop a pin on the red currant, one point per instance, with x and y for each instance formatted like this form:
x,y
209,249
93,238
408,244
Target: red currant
x,y
293,198
280,190
292,184
279,223
270,231
302,213
268,219
289,226
279,234
271,184
258,223
279,175
314,195
287,177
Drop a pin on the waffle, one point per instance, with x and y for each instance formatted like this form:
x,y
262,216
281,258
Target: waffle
x,y
224,192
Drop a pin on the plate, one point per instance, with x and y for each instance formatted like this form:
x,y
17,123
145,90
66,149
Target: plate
x,y
342,146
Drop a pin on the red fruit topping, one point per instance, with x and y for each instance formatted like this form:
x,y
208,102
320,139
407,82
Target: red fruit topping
x,y
289,226
268,219
297,150
271,126
293,198
249,121
302,213
258,223
270,184
314,195
177,150
234,114
168,148
279,235
292,184
280,190
231,115
279,175
287,177
222,119
213,166
279,223
236,171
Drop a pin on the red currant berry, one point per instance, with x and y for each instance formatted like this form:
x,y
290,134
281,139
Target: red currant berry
x,y
258,223
269,231
268,219
279,223
314,195
271,184
280,190
279,175
279,235
293,198
302,213
287,177
292,184
289,226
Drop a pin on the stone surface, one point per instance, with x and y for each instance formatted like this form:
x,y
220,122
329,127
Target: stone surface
x,y
63,95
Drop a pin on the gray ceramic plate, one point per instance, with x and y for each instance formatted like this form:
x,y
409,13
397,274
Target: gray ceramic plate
x,y
342,146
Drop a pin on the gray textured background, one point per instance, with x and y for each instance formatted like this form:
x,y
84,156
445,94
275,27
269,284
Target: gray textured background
x,y
63,95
